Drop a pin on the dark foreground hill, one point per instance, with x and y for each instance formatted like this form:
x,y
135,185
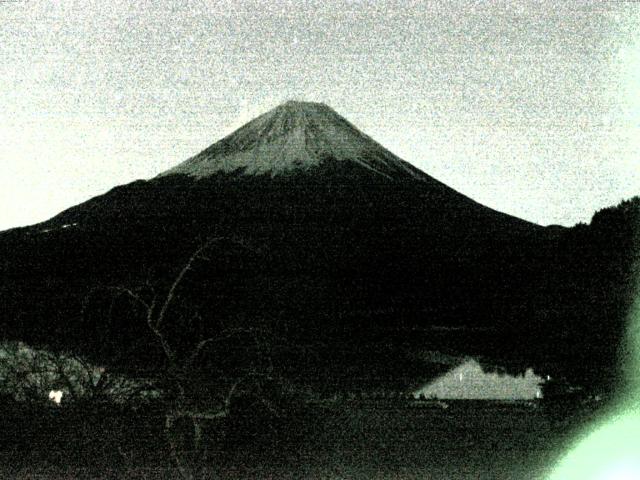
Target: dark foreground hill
x,y
332,243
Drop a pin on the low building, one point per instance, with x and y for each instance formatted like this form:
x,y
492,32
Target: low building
x,y
468,381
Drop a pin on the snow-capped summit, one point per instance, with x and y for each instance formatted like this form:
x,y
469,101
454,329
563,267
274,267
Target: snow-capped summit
x,y
296,136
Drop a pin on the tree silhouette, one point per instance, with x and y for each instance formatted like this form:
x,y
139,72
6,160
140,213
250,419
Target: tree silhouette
x,y
200,381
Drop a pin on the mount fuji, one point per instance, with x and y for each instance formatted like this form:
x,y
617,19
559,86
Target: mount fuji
x,y
348,248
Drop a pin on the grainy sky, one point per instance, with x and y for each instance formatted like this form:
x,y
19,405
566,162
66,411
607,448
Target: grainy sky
x,y
532,108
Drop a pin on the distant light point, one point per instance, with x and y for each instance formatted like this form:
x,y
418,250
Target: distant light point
x,y
56,396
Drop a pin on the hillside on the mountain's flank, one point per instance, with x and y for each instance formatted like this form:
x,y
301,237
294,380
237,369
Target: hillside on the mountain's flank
x,y
330,242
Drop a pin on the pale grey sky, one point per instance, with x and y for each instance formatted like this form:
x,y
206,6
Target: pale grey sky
x,y
532,108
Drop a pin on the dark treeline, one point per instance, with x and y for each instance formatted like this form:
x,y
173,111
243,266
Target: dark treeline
x,y
354,273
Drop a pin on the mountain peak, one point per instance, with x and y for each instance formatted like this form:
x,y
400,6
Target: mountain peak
x,y
296,136
300,105
302,109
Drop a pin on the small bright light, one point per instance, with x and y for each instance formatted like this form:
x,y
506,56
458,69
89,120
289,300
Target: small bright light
x,y
55,396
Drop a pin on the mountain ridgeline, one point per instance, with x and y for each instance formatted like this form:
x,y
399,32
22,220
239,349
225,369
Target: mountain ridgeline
x,y
333,244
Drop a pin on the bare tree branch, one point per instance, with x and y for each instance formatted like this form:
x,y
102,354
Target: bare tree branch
x,y
179,370
137,298
178,280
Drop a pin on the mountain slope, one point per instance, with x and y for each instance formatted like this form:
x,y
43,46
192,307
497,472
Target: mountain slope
x,y
303,147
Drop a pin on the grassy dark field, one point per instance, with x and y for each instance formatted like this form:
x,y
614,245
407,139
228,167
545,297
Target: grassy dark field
x,y
334,441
